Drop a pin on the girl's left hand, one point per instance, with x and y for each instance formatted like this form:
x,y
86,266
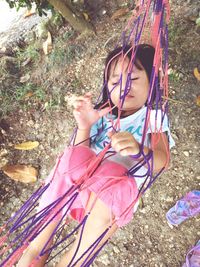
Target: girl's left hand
x,y
124,143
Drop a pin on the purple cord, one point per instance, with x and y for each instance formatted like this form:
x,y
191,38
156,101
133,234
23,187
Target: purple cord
x,y
72,199
19,218
92,246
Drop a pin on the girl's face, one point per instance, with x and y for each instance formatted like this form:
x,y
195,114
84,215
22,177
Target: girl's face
x,y
138,91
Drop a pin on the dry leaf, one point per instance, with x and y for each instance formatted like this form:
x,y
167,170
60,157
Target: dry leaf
x,y
27,145
120,13
28,95
197,74
86,17
30,12
27,61
25,78
198,100
21,173
47,45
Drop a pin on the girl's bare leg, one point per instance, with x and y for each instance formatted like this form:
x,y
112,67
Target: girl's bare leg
x,y
97,222
36,246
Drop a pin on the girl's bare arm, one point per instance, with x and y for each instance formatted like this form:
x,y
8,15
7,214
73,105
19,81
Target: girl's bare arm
x,y
82,137
85,116
160,151
125,144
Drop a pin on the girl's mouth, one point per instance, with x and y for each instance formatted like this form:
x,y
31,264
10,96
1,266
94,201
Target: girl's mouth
x,y
129,96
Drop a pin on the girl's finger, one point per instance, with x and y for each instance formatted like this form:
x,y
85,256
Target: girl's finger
x,y
78,103
128,151
76,112
121,137
120,145
88,94
84,97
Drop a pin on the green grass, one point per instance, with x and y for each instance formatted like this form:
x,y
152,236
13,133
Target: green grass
x,y
63,55
175,31
64,52
15,95
32,52
21,92
22,96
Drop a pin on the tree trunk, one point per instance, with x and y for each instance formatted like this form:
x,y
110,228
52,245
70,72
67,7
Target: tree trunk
x,y
78,23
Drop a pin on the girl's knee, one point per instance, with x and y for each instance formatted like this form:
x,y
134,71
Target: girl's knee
x,y
100,214
76,159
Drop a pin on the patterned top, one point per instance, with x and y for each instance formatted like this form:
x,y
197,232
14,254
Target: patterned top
x,y
134,124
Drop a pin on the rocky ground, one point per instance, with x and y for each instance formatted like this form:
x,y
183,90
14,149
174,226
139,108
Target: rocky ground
x,y
147,240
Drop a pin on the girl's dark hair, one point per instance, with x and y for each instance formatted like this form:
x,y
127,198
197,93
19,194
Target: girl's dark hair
x,y
143,60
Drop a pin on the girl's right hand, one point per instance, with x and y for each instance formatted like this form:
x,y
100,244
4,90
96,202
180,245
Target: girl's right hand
x,y
84,113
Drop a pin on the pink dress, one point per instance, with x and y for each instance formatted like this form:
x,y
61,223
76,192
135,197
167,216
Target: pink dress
x,y
109,181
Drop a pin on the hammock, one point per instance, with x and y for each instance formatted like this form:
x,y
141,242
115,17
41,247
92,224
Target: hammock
x,y
26,224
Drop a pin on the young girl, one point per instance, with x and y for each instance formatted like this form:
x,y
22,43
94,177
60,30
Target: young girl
x,y
117,123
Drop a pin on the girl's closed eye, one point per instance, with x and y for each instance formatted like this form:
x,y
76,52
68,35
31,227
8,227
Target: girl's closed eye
x,y
133,79
115,83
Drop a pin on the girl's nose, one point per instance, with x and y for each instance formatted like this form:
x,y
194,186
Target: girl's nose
x,y
125,81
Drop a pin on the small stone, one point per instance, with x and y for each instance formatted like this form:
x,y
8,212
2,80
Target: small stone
x,y
169,199
186,153
103,11
3,162
30,123
116,249
170,225
174,151
104,259
188,110
3,152
37,126
3,132
25,78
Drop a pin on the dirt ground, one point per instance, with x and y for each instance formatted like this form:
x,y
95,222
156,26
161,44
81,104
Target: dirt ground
x,y
147,241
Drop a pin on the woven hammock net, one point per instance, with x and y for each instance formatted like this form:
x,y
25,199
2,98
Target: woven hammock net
x,y
148,25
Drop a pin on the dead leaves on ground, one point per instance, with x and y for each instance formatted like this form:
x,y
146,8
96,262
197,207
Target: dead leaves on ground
x,y
27,145
21,173
86,16
198,100
196,74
